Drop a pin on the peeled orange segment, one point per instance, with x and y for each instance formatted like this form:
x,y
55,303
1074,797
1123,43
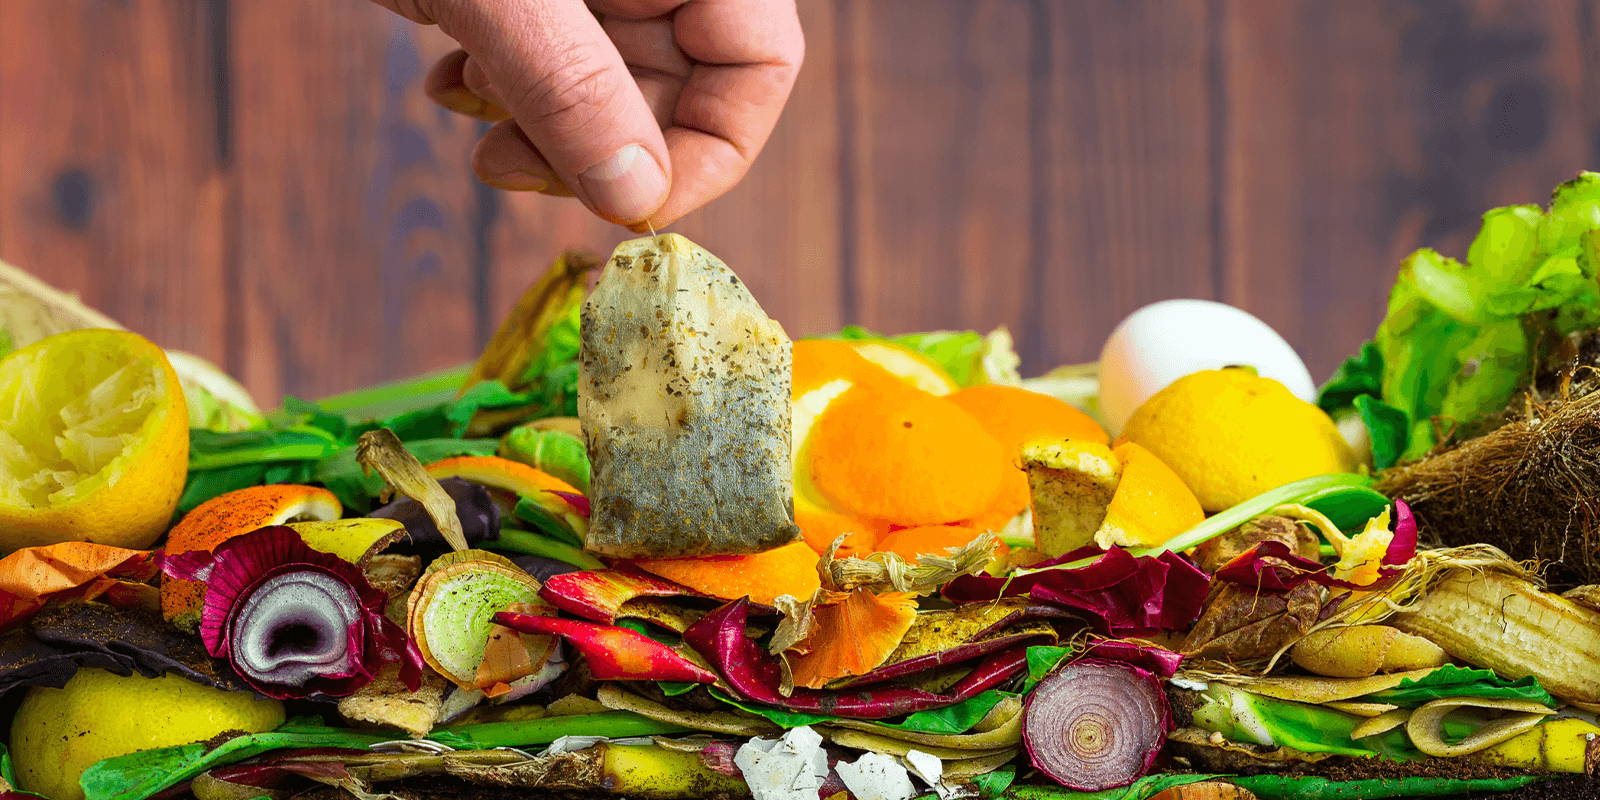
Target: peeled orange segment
x,y
913,543
820,527
903,456
1151,505
94,441
227,515
908,365
790,569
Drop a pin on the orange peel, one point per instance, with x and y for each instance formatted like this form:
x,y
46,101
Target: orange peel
x,y
1016,416
852,635
504,474
227,515
820,527
790,569
903,456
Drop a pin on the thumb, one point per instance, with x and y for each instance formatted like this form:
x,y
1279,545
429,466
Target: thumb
x,y
568,89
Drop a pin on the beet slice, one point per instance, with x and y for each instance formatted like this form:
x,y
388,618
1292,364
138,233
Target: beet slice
x,y
1096,724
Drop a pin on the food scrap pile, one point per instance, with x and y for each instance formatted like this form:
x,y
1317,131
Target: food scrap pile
x,y
647,547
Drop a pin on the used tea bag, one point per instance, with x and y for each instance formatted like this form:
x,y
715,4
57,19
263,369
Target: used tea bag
x,y
684,398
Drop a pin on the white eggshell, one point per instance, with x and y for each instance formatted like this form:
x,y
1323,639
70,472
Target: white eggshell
x,y
1165,341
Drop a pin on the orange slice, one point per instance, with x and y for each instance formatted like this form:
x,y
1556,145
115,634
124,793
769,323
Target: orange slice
x,y
903,456
790,569
227,515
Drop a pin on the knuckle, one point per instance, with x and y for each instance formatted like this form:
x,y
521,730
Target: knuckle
x,y
571,98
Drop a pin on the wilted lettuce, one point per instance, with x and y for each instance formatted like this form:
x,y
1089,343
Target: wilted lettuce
x,y
1460,338
969,357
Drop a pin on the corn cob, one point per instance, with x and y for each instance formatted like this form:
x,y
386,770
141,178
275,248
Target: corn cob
x,y
1504,623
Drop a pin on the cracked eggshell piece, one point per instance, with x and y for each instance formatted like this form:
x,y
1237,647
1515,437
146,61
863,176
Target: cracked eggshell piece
x,y
789,768
875,776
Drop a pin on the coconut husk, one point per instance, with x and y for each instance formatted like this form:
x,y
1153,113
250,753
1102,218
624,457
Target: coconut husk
x,y
1530,487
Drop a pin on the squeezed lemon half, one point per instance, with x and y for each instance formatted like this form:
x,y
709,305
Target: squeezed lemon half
x,y
94,441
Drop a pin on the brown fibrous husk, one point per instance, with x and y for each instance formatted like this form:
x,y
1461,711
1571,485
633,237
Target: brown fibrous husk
x,y
1530,487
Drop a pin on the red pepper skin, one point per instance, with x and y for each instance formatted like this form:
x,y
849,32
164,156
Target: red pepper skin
x,y
613,653
598,595
720,637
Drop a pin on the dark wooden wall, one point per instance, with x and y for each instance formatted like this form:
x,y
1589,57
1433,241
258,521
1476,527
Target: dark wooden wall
x,y
262,181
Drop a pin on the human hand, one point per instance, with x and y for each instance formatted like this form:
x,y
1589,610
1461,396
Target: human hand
x,y
643,109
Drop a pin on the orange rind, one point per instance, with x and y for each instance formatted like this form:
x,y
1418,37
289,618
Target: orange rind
x,y
227,515
903,456
852,636
821,527
790,569
913,543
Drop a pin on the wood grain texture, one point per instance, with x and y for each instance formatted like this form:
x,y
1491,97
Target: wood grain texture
x,y
1355,133
1128,208
111,176
355,214
940,175
265,184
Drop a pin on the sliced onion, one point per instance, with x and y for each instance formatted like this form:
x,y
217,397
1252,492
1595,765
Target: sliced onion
x,y
1096,724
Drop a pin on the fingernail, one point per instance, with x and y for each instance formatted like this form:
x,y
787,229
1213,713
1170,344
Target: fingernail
x,y
627,186
516,181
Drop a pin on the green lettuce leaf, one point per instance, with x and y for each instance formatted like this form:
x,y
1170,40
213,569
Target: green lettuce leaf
x,y
969,357
1458,339
1453,681
138,775
952,719
957,718
1387,430
991,785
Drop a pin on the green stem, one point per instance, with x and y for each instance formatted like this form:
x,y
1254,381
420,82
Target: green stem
x,y
513,540
1338,488
544,730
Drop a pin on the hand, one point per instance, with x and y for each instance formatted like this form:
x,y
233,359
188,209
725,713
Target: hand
x,y
643,109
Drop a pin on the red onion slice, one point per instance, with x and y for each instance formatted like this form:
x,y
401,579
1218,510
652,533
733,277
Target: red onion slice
x,y
1095,724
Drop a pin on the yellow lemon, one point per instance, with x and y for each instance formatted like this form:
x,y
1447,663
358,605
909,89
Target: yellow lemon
x,y
94,441
1231,435
57,733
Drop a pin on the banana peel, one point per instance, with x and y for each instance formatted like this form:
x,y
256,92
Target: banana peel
x,y
1497,620
1561,745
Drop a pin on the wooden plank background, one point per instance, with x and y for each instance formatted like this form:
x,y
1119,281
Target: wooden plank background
x,y
263,182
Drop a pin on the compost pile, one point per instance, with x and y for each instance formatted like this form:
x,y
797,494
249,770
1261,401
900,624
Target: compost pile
x,y
649,547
